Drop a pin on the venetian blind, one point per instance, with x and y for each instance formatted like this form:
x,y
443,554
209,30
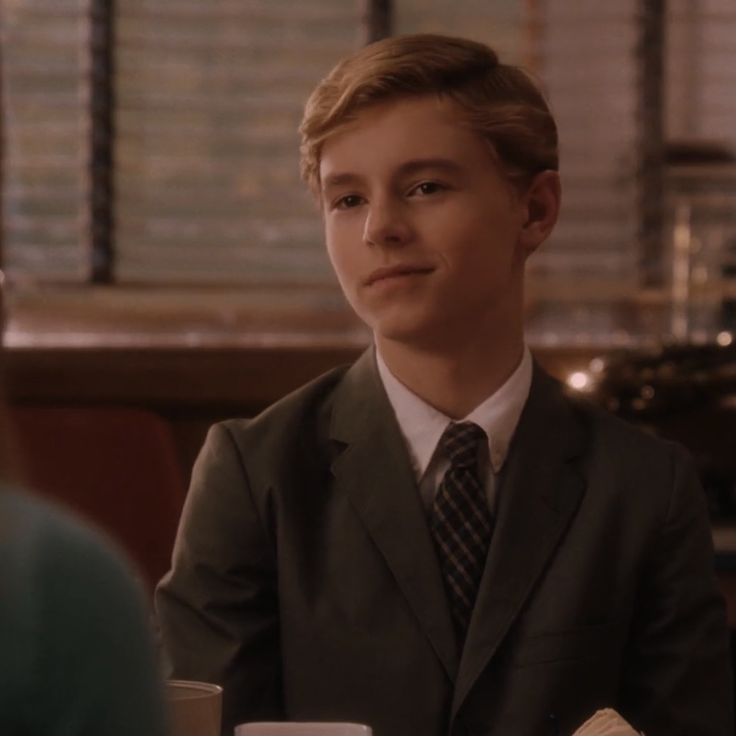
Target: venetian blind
x,y
701,70
587,62
499,24
701,185
45,93
589,66
209,98
209,95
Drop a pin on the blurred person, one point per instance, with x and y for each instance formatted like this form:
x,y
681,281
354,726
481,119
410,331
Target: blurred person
x,y
76,650
77,654
438,539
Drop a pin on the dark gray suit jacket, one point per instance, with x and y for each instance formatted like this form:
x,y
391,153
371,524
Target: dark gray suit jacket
x,y
305,580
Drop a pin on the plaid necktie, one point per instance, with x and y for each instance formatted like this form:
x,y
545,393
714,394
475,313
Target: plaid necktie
x,y
461,522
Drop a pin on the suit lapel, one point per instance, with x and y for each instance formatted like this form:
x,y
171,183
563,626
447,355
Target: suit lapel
x,y
540,491
374,470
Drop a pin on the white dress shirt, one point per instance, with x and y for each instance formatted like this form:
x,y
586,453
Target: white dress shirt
x,y
422,426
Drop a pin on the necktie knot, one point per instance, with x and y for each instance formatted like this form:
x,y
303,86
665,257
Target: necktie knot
x,y
460,442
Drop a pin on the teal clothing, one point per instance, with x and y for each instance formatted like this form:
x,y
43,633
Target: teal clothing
x,y
76,654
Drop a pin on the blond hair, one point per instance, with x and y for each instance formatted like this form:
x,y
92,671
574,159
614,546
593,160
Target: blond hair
x,y
499,101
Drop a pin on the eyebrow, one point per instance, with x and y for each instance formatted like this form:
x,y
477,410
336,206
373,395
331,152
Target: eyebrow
x,y
412,166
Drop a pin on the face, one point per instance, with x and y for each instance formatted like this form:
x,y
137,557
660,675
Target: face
x,y
426,235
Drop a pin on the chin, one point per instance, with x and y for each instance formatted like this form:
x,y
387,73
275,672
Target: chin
x,y
394,330
411,325
422,336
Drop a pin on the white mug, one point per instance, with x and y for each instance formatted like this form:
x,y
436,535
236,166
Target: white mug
x,y
310,728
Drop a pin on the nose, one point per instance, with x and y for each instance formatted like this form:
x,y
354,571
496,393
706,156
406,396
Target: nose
x,y
386,224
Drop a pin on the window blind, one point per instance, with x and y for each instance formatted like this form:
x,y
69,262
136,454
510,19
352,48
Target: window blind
x,y
587,59
701,70
45,92
701,175
209,96
499,24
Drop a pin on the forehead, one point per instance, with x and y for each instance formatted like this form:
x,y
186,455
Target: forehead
x,y
386,134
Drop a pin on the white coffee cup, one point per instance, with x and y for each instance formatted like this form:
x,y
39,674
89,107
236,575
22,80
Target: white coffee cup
x,y
194,708
311,728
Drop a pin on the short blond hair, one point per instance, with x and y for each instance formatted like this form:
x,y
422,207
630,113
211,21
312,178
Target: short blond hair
x,y
501,102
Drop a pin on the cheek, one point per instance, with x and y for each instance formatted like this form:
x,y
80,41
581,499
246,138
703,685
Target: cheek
x,y
344,233
483,254
341,256
332,242
336,261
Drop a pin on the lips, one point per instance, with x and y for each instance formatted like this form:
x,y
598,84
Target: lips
x,y
392,272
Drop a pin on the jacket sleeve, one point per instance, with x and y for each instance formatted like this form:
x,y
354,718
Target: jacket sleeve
x,y
677,678
218,606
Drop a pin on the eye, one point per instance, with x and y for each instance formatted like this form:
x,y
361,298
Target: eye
x,y
347,202
426,187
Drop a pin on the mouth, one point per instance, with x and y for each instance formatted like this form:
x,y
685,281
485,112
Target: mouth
x,y
394,272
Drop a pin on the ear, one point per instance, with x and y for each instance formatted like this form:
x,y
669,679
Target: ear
x,y
542,202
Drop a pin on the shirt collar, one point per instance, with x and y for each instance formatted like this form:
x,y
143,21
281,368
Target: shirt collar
x,y
422,425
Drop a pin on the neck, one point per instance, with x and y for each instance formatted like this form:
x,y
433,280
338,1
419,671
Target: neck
x,y
454,381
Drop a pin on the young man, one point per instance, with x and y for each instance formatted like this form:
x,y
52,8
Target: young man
x,y
437,540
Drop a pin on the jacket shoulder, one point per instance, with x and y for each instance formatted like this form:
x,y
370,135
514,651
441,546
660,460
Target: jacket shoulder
x,y
630,456
618,432
297,423
307,398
